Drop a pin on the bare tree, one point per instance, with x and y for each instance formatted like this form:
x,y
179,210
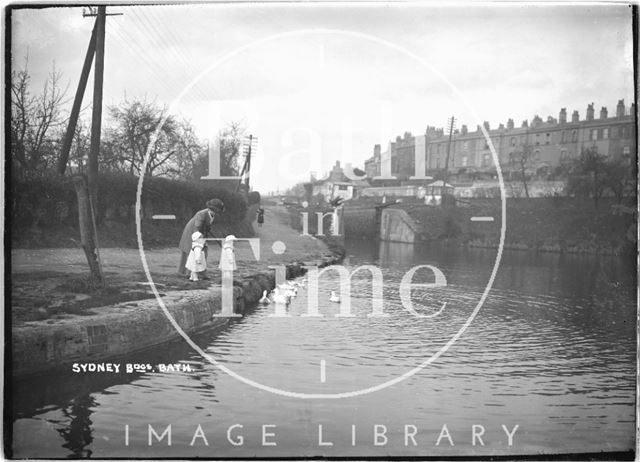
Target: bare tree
x,y
588,175
33,117
619,178
230,139
132,134
523,159
191,154
81,144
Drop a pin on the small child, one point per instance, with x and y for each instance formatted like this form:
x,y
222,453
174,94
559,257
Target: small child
x,y
227,256
196,262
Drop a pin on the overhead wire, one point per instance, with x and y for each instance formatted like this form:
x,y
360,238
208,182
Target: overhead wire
x,y
168,49
157,61
185,54
127,42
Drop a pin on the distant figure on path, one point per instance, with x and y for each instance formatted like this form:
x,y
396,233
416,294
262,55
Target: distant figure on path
x,y
196,263
260,217
200,222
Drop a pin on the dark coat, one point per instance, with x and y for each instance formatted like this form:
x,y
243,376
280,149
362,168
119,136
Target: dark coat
x,y
202,222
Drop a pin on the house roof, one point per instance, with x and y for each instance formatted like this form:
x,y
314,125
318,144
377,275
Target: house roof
x,y
440,184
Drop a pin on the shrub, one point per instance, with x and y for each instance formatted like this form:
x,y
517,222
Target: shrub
x,y
51,200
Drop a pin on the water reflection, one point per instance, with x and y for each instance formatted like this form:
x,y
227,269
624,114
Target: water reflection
x,y
552,349
78,434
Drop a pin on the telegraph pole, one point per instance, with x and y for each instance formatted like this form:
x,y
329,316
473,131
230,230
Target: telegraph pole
x,y
248,163
82,85
96,117
246,167
451,123
87,191
77,102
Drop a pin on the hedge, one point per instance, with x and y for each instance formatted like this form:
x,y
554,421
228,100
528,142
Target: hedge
x,y
51,200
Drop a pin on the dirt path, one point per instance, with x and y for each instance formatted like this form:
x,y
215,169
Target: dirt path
x,y
165,261
53,282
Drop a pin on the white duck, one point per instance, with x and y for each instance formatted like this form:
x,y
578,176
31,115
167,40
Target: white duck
x,y
334,297
265,298
279,297
289,290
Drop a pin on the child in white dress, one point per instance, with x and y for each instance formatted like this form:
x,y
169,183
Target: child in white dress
x,y
196,262
227,257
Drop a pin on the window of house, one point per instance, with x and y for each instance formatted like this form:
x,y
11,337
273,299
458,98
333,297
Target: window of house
x,y
563,155
563,138
438,160
465,145
574,135
548,138
537,139
342,187
536,155
513,141
486,160
439,146
464,161
605,133
626,151
594,135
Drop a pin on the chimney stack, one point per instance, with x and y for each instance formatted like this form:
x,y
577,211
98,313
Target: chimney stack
x,y
464,130
620,108
486,125
376,151
575,117
563,115
590,112
525,124
603,112
510,124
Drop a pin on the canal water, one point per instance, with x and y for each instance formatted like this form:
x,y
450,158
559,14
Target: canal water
x,y
546,366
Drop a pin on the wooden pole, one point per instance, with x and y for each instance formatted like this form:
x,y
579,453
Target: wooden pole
x,y
96,119
446,163
248,163
77,102
86,227
95,238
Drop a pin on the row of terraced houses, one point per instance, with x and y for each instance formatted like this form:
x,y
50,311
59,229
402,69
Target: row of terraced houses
x,y
551,143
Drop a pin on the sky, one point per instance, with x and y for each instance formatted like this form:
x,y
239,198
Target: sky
x,y
319,82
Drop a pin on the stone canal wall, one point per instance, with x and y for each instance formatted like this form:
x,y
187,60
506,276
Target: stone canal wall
x,y
133,326
397,226
360,222
559,224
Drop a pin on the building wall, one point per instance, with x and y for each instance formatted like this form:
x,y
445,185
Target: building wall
x,y
552,143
